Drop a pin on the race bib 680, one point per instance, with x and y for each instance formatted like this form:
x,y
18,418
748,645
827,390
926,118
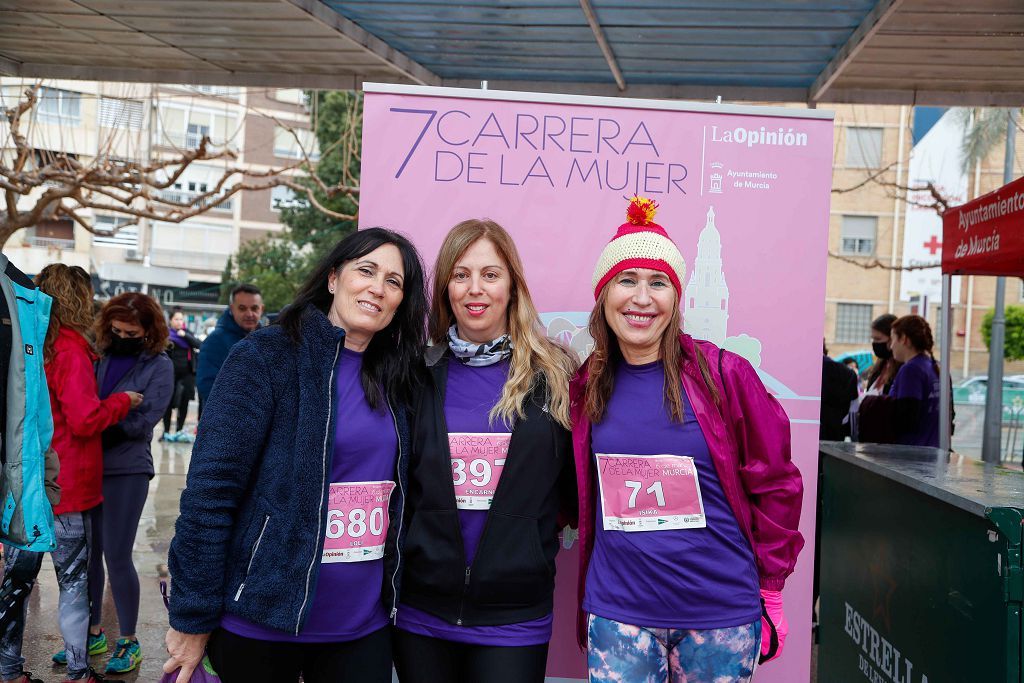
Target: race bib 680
x,y
357,521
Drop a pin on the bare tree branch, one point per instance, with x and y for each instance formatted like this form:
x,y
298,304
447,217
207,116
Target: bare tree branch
x,y
872,264
59,185
871,178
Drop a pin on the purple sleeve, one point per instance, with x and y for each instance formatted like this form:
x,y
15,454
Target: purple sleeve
x,y
910,382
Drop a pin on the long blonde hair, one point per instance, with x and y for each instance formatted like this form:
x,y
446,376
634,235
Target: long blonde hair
x,y
533,354
71,290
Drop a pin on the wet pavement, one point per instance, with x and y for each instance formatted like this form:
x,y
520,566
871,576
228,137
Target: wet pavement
x,y
42,633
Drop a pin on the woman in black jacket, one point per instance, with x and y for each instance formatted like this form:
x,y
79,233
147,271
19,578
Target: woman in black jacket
x,y
181,348
491,471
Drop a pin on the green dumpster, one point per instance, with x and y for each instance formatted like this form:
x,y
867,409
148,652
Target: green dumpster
x,y
921,577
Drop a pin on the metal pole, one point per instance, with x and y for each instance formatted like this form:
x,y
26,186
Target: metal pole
x,y
945,339
990,445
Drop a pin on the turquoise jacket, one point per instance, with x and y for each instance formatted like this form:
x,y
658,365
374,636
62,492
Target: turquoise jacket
x,y
27,518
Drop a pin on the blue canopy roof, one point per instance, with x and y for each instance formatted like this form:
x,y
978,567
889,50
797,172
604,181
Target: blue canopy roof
x,y
943,52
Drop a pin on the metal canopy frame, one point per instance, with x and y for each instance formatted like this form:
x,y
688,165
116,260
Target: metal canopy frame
x,y
946,52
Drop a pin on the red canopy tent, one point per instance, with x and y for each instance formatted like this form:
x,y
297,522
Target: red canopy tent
x,y
985,236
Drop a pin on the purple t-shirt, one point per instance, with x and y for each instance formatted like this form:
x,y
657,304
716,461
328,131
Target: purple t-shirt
x,y
347,604
117,368
695,578
917,379
470,394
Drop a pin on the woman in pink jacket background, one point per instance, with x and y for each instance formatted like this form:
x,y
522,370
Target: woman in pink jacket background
x,y
689,502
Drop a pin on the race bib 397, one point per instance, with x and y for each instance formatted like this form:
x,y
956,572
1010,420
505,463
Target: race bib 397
x,y
478,460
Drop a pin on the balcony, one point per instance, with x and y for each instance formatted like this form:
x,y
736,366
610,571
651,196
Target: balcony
x,y
192,260
49,242
185,141
184,197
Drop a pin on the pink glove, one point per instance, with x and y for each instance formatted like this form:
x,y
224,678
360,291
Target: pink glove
x,y
773,606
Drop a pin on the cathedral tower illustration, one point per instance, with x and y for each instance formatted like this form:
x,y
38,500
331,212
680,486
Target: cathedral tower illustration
x,y
706,306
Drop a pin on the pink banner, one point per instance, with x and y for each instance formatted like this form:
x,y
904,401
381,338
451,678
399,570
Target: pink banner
x,y
744,192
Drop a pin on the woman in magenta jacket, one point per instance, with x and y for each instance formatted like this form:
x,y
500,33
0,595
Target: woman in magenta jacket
x,y
689,503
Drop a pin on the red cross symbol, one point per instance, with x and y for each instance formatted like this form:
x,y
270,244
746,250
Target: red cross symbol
x,y
932,245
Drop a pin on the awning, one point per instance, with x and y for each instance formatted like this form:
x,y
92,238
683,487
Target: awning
x,y
985,236
947,52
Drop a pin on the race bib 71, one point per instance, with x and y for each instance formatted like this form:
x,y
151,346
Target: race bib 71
x,y
478,460
649,492
357,521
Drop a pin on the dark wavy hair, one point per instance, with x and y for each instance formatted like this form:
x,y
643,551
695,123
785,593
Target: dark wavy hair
x,y
138,309
918,332
390,362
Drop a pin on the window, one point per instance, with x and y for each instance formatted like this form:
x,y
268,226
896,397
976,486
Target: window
x,y
858,235
864,147
853,323
126,237
184,127
283,197
195,134
115,113
286,145
59,106
290,95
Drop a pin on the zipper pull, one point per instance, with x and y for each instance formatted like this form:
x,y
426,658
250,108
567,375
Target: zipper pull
x,y
394,611
238,594
467,576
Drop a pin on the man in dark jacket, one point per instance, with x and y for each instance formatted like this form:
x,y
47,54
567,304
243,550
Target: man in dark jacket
x,y
245,308
838,390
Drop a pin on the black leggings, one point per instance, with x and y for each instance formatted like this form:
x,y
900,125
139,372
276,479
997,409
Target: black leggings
x,y
184,391
237,659
422,659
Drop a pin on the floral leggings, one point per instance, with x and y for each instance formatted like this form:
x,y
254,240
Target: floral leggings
x,y
621,652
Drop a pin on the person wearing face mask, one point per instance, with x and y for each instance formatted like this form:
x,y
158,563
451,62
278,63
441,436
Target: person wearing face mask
x,y
79,417
285,560
131,335
491,470
883,371
874,423
181,349
689,503
910,411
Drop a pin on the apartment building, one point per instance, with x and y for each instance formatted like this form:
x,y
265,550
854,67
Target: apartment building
x,y
180,262
867,235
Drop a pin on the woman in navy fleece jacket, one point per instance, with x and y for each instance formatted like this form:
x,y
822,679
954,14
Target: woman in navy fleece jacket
x,y
285,557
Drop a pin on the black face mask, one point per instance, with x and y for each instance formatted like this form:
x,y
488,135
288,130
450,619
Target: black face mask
x,y
126,346
882,350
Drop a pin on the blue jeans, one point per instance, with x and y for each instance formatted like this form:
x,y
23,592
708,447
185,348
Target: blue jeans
x,y
71,562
